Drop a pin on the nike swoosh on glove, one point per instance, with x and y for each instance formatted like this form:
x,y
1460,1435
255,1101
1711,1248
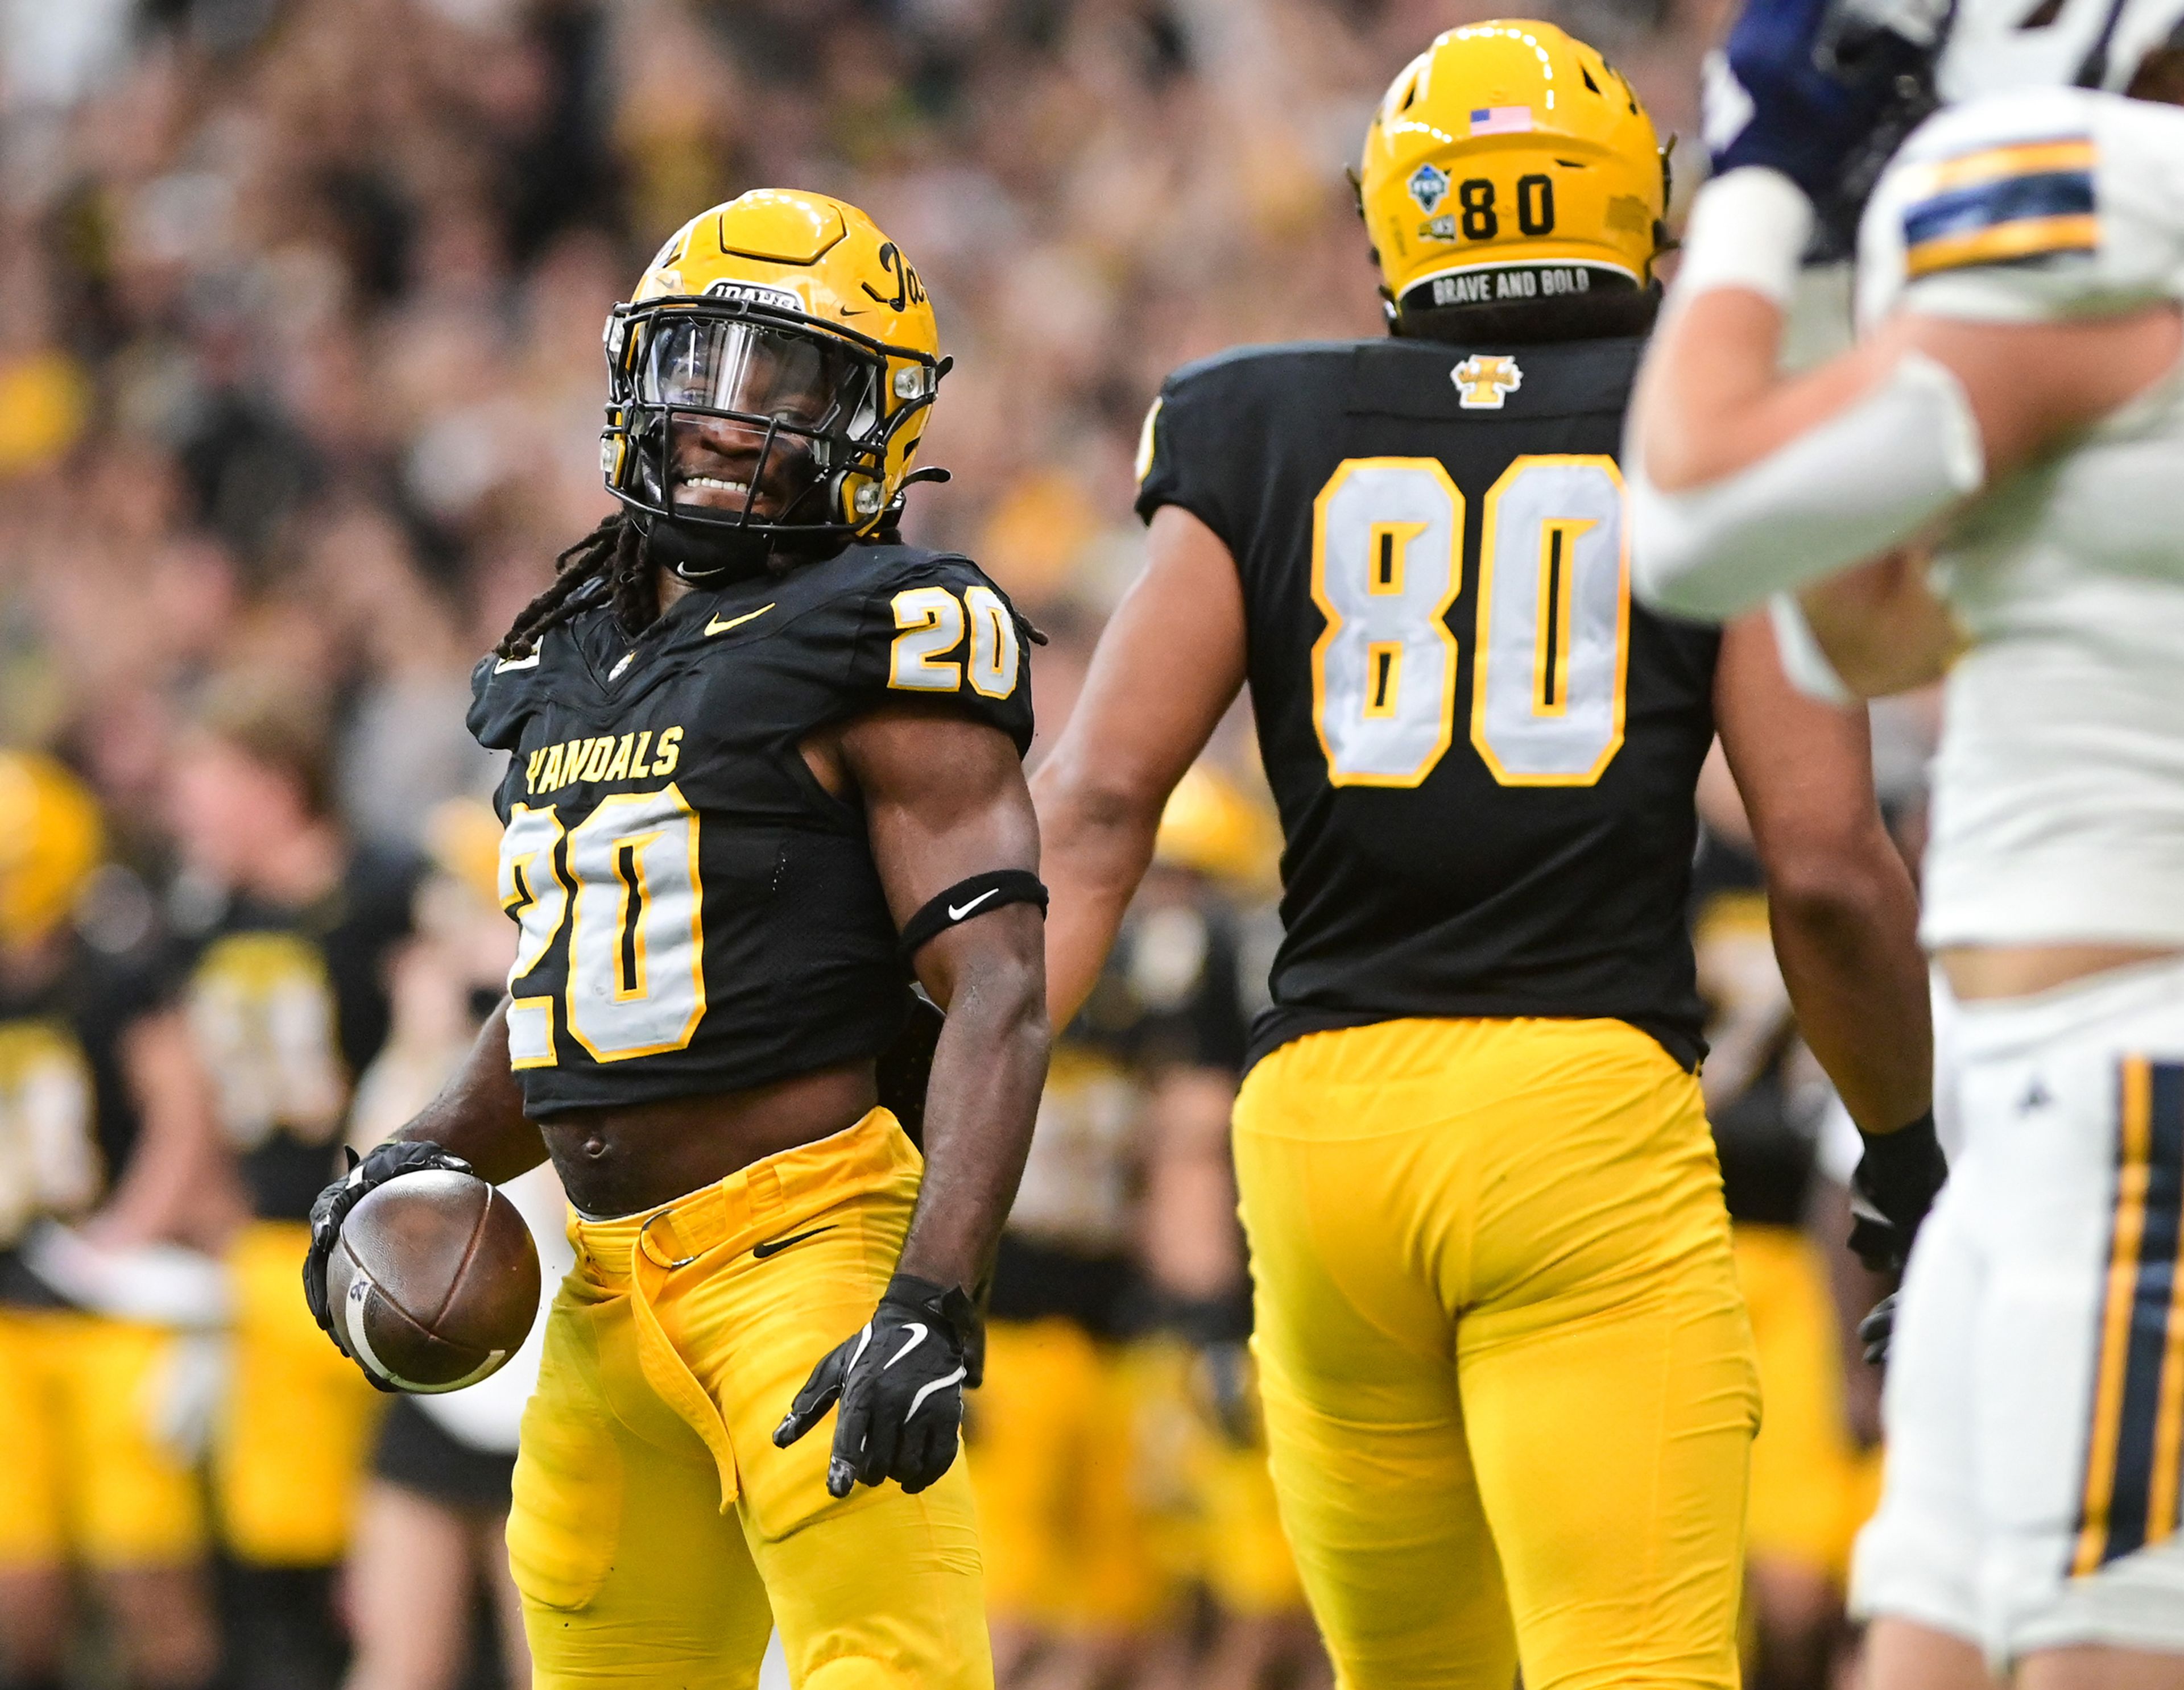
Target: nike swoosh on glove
x,y
899,1380
388,1161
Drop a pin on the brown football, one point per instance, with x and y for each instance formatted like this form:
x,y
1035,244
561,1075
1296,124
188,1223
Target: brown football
x,y
435,1282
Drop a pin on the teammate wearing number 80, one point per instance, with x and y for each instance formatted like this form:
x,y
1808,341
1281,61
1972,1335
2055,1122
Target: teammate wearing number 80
x,y
1508,1382
764,774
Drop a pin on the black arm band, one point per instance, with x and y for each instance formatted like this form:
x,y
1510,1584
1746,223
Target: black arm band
x,y
968,899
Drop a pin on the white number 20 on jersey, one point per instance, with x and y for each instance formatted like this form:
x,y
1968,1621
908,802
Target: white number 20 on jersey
x,y
1552,631
636,976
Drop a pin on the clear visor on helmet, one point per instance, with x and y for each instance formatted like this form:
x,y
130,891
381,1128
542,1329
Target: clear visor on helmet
x,y
756,369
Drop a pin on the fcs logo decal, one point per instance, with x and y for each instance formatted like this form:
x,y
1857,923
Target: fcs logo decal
x,y
1428,187
1484,380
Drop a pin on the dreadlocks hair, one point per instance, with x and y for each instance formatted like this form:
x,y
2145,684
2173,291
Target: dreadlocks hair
x,y
617,551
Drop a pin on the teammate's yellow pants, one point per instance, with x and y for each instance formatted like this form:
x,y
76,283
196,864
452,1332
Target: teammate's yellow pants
x,y
1509,1384
1056,1441
657,1534
289,1450
1812,1486
83,1474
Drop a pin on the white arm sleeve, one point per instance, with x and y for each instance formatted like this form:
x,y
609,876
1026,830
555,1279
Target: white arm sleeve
x,y
1859,484
1803,661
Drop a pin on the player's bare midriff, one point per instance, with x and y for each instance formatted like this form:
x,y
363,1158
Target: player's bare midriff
x,y
619,1161
1976,972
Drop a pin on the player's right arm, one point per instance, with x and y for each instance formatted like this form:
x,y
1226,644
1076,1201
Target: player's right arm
x,y
1845,918
1168,664
478,1114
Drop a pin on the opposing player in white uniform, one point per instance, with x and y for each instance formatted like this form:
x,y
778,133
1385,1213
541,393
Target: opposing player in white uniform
x,y
1990,481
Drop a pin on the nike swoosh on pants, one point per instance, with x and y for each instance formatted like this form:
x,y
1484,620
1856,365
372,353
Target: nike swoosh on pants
x,y
774,1247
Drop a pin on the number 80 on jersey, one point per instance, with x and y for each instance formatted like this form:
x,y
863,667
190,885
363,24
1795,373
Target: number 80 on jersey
x,y
1553,625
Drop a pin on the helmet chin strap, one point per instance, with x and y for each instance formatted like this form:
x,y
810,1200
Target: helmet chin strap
x,y
708,556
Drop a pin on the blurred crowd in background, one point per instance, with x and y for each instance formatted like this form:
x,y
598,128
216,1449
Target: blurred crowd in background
x,y
300,304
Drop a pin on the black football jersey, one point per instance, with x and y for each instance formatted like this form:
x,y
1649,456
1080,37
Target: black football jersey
x,y
1483,752
69,1123
699,914
289,1003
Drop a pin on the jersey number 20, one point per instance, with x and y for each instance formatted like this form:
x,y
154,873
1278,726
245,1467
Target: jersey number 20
x,y
636,976
1553,629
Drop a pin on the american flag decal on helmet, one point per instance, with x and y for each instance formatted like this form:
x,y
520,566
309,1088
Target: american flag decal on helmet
x,y
1500,120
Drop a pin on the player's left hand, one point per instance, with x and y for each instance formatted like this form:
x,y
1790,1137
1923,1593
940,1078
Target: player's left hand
x,y
899,1380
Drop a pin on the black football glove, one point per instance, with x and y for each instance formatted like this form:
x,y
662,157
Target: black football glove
x,y
1895,1185
1876,1329
388,1161
899,1380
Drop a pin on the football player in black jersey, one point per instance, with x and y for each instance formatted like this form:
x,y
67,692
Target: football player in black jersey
x,y
106,1146
286,928
1508,1379
764,770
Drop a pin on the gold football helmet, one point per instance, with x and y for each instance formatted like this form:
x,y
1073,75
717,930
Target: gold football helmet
x,y
52,842
1509,163
1212,825
790,318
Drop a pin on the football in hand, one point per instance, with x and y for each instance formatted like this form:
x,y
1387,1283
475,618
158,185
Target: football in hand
x,y
434,1283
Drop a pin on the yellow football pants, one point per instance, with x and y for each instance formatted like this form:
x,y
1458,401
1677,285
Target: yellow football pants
x,y
1509,1384
1056,1448
657,1534
83,1476
1812,1486
289,1450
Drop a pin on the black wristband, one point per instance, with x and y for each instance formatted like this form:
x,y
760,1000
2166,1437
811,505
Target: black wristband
x,y
1901,1170
980,894
950,1304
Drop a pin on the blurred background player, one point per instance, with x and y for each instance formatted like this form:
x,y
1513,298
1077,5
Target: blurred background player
x,y
1205,909
1110,1485
106,1131
1814,1474
1507,1377
289,929
430,1536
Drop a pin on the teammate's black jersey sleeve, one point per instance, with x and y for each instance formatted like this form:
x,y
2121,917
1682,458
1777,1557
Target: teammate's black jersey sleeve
x,y
699,914
1483,750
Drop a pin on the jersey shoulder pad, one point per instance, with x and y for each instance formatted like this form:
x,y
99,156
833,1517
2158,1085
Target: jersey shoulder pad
x,y
505,690
933,624
2033,206
1197,444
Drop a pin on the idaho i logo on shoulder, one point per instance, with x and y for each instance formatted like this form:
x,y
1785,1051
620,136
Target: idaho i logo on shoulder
x,y
1484,380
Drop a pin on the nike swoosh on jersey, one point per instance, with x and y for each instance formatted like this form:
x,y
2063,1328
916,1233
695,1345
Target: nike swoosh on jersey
x,y
774,1247
717,626
956,912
